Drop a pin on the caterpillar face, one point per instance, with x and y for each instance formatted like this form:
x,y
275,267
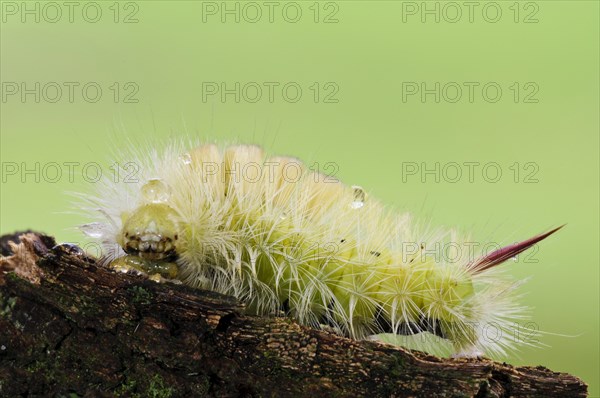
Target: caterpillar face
x,y
150,232
280,236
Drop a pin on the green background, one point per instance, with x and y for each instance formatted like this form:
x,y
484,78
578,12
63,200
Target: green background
x,y
369,132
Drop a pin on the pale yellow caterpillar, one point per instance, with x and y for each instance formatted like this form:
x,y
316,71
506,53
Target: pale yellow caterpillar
x,y
281,237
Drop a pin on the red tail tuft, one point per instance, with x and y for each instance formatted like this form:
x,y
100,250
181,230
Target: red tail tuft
x,y
501,255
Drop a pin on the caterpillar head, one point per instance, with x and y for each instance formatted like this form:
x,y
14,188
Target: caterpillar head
x,y
150,232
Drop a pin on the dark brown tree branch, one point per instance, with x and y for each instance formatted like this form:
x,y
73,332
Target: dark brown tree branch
x,y
70,326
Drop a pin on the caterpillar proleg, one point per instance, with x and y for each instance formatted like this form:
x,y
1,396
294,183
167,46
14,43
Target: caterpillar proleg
x,y
281,237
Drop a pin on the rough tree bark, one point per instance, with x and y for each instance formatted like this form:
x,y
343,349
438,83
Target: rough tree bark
x,y
70,327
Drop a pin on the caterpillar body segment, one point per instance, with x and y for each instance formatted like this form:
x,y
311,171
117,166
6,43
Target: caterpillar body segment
x,y
279,236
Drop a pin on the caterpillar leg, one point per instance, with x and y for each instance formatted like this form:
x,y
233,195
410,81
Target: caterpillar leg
x,y
464,339
155,269
468,352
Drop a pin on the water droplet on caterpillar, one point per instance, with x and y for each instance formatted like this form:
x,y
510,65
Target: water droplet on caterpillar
x,y
186,158
359,197
94,229
156,191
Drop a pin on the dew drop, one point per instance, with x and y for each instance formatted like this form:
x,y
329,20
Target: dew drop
x,y
186,158
156,191
94,230
359,197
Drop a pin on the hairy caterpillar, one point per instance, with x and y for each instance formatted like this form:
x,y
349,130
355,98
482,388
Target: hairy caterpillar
x,y
279,236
